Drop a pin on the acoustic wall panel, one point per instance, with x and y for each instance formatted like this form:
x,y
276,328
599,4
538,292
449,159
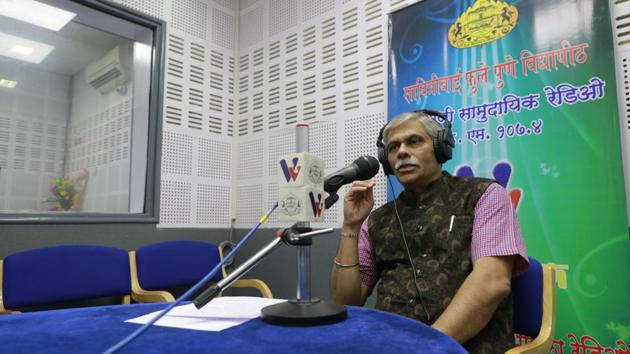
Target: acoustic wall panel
x,y
251,30
327,69
250,204
282,15
32,137
154,8
250,159
177,155
191,17
223,29
234,100
314,8
214,159
199,100
228,4
244,4
213,207
178,197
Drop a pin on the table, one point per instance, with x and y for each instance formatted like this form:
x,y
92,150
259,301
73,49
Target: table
x,y
95,329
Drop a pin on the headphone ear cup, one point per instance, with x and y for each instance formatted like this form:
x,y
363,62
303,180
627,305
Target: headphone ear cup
x,y
382,153
382,158
443,144
449,144
437,147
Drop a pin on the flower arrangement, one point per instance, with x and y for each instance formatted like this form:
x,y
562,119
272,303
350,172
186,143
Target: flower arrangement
x,y
67,192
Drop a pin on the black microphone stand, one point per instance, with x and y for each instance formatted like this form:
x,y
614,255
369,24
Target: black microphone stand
x,y
302,311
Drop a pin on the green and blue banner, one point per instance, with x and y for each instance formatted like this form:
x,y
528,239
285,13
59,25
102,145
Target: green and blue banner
x,y
529,86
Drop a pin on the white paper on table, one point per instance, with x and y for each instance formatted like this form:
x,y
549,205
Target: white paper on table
x,y
219,314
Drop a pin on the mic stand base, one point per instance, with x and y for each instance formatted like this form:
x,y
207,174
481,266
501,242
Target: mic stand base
x,y
313,312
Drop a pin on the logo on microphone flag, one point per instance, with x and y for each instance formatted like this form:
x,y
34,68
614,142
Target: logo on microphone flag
x,y
291,205
317,205
290,172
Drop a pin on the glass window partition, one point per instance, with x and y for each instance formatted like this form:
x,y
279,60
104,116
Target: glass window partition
x,y
80,101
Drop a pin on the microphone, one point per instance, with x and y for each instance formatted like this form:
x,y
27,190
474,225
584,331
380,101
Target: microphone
x,y
363,168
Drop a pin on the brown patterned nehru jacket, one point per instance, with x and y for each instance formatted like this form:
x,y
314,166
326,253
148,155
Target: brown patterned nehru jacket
x,y
442,258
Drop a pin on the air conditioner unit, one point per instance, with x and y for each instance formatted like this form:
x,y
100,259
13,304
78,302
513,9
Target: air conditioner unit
x,y
108,72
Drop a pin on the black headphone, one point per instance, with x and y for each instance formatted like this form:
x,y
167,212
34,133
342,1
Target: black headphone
x,y
443,142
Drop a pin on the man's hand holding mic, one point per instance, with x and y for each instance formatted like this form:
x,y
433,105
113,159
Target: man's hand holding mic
x,y
357,204
345,281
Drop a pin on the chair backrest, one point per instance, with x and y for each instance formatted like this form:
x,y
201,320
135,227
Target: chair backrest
x,y
64,273
527,295
171,264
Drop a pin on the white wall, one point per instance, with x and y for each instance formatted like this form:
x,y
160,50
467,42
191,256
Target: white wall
x,y
99,145
320,61
33,118
198,107
240,74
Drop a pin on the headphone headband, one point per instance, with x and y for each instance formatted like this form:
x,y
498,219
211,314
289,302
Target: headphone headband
x,y
443,142
433,113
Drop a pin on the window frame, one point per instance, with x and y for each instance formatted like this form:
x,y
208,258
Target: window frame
x,y
151,207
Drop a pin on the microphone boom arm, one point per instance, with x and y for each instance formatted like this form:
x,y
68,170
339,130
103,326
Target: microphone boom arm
x,y
289,236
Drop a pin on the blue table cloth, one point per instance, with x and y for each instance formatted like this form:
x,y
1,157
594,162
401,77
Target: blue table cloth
x,y
95,329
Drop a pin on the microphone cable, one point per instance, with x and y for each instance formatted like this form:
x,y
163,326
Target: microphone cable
x,y
413,267
193,289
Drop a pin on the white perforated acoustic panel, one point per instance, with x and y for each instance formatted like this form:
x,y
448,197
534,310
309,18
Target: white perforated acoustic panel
x,y
154,8
177,196
250,159
214,159
32,137
213,207
323,142
223,29
177,159
240,74
318,61
251,26
244,4
191,17
281,142
251,204
282,16
314,8
228,4
199,108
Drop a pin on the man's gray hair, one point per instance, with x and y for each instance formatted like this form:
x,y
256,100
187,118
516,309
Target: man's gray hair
x,y
427,122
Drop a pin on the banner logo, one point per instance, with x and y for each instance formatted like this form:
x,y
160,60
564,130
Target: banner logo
x,y
290,172
502,171
484,22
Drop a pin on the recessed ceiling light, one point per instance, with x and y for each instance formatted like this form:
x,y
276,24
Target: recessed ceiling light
x,y
23,49
36,13
8,83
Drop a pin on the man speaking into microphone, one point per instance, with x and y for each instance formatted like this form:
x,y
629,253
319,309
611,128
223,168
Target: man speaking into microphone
x,y
444,250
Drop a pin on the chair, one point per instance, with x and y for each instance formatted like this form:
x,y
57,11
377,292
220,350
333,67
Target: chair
x,y
534,296
171,264
50,275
